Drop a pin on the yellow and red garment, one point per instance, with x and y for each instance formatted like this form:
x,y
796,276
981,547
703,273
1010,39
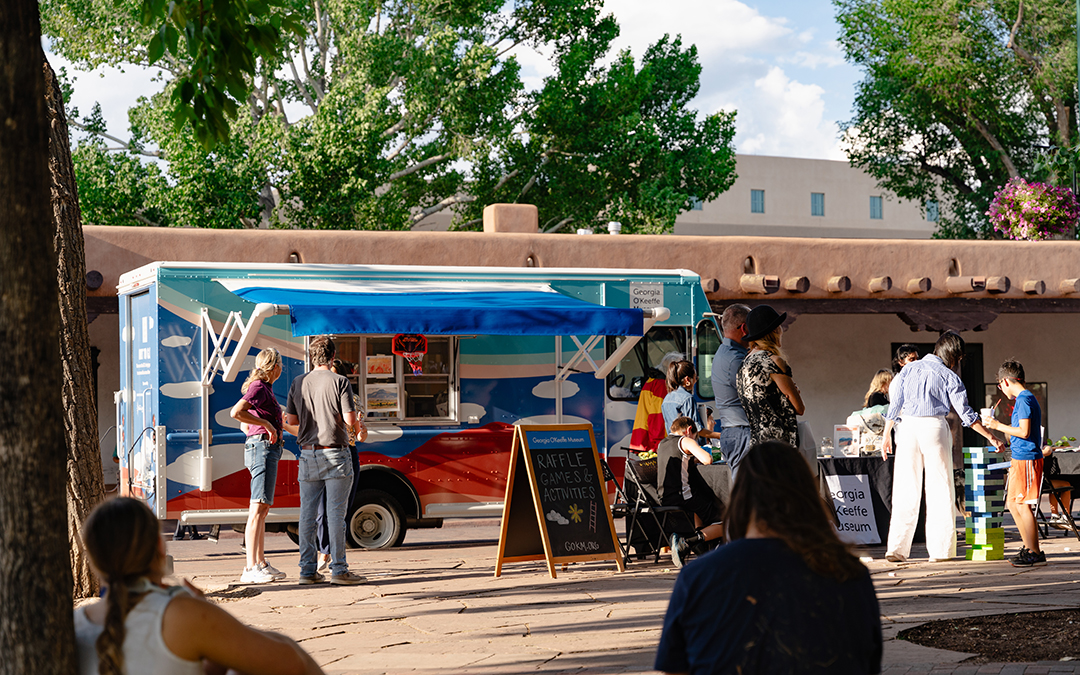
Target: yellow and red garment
x,y
649,421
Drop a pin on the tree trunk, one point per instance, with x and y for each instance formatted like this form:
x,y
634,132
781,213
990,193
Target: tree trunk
x,y
86,484
36,628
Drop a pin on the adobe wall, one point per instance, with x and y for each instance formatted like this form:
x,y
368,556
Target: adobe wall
x,y
115,250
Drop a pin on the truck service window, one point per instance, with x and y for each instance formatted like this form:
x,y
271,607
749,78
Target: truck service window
x,y
387,385
625,380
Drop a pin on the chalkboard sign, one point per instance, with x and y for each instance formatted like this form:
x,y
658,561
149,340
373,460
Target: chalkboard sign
x,y
556,506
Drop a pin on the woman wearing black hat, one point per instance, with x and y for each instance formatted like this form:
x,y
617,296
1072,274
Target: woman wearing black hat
x,y
768,394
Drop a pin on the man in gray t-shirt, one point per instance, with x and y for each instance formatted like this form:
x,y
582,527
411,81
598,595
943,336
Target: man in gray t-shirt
x,y
320,402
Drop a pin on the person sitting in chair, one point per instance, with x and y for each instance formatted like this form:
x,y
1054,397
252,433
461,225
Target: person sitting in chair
x,y
681,485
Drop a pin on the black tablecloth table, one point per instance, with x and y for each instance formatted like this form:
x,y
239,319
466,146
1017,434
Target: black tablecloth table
x,y
879,474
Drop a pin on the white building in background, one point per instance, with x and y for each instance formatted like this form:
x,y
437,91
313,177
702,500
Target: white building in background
x,y
790,197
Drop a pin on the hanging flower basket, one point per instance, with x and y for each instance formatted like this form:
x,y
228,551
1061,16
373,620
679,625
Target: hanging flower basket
x,y
1033,211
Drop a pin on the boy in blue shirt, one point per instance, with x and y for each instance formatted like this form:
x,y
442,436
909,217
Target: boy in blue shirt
x,y
1025,472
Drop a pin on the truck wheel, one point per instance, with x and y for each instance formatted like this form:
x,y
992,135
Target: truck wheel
x,y
376,521
293,531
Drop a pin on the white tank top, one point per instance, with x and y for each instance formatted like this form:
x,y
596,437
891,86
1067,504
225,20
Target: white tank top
x,y
145,650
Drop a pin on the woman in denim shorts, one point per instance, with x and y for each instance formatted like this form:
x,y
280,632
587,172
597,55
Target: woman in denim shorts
x,y
260,416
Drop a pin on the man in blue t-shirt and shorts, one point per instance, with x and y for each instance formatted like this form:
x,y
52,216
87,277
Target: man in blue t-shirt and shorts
x,y
1025,471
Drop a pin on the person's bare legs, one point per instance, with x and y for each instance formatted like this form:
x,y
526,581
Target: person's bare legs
x,y
255,533
709,532
1025,522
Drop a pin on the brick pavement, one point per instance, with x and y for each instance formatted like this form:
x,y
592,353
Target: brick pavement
x,y
434,606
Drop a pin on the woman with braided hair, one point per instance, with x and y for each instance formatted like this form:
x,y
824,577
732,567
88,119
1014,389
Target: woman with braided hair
x,y
143,626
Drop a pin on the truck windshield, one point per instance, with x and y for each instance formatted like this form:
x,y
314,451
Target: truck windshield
x,y
643,363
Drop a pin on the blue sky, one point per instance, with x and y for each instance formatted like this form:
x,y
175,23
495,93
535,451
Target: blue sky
x,y
774,61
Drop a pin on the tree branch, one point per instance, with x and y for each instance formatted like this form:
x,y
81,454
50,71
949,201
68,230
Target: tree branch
x,y
125,145
560,225
1012,44
936,170
419,165
449,201
303,88
505,179
145,221
985,132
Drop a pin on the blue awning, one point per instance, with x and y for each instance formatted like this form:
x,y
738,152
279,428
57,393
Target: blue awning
x,y
320,307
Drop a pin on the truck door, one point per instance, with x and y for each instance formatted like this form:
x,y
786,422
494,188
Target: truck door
x,y
139,443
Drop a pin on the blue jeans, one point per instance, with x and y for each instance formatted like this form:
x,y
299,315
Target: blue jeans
x,y
734,444
261,459
322,532
329,472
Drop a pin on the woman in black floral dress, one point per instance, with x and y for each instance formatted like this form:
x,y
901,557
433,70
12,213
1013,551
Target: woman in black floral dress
x,y
768,394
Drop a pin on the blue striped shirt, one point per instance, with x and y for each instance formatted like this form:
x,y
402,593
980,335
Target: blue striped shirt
x,y
927,388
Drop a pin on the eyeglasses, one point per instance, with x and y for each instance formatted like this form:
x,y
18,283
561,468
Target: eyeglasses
x,y
1000,386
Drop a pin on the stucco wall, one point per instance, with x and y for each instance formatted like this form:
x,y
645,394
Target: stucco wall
x,y
834,357
787,183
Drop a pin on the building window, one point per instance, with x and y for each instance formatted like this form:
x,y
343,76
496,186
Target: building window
x,y
757,201
817,203
875,208
695,204
931,211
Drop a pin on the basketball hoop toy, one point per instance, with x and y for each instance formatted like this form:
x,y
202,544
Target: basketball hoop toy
x,y
411,348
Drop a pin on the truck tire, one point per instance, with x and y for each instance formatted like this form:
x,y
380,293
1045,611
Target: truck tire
x,y
376,521
293,532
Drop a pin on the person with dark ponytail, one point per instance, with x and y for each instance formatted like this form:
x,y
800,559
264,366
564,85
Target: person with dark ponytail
x,y
679,402
142,626
784,596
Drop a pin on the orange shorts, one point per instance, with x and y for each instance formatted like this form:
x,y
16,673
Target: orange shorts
x,y
1025,479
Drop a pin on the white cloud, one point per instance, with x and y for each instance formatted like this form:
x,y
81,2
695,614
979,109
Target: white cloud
x,y
556,517
468,410
546,389
786,118
620,410
551,419
717,27
223,418
383,434
176,341
183,389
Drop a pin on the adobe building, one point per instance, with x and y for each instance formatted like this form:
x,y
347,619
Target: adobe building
x,y
849,301
791,197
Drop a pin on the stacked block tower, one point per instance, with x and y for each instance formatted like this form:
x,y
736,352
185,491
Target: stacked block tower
x,y
984,499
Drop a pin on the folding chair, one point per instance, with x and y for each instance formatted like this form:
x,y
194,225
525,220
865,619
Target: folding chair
x,y
1050,469
620,508
668,519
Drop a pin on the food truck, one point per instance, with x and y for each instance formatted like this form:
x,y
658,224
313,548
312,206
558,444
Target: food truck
x,y
447,360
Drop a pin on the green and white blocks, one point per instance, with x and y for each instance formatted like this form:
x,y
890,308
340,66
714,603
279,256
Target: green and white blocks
x,y
984,498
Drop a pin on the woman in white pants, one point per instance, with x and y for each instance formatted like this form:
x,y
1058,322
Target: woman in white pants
x,y
922,395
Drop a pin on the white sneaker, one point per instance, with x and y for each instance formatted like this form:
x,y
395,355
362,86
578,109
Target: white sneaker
x,y
256,575
273,571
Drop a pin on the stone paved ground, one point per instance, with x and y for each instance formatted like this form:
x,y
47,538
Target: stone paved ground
x,y
435,606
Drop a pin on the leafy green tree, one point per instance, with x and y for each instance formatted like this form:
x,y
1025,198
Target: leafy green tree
x,y
959,96
381,114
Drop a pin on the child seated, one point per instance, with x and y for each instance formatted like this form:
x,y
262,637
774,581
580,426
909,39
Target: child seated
x,y
1057,519
681,485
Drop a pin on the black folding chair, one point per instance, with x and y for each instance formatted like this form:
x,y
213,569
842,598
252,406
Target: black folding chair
x,y
668,519
620,508
1050,470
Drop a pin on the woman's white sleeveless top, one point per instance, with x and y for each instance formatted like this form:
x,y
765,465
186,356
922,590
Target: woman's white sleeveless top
x,y
145,650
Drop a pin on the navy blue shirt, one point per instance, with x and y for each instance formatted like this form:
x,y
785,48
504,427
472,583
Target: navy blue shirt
x,y
753,606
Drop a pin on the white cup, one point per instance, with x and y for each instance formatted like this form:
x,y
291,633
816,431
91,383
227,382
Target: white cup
x,y
987,414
